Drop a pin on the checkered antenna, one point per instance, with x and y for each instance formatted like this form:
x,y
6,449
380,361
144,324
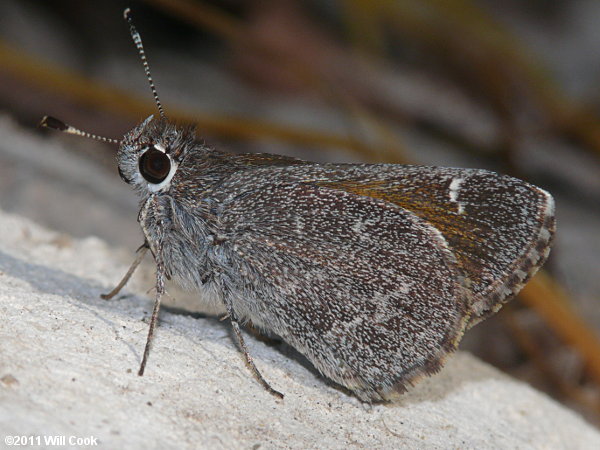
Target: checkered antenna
x,y
137,39
56,124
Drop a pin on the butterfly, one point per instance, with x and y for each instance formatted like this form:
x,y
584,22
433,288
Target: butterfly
x,y
372,271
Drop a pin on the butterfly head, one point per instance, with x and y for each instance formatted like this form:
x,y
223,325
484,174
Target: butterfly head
x,y
150,154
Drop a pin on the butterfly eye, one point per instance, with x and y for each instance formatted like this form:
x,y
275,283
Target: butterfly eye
x,y
155,166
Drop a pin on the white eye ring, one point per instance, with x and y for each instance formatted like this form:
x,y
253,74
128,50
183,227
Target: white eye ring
x,y
164,184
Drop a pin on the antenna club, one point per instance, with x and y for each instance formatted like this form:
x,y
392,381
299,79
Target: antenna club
x,y
53,123
127,14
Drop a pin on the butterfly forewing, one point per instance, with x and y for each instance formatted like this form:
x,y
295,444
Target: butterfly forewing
x,y
498,227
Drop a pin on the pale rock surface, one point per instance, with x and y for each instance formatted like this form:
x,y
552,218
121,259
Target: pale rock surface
x,y
68,363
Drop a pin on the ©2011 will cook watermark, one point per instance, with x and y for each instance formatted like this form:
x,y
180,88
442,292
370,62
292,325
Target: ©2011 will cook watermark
x,y
50,441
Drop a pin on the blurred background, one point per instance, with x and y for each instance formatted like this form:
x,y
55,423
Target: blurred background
x,y
508,85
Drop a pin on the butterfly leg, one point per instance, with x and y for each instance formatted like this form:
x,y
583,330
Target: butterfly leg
x,y
160,290
249,361
141,252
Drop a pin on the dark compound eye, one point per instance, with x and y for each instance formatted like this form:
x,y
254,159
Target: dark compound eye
x,y
154,166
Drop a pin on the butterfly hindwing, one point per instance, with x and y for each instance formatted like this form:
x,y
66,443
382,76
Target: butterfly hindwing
x,y
368,291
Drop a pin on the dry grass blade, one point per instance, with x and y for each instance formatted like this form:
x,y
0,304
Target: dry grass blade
x,y
115,101
363,20
545,296
434,24
536,354
313,76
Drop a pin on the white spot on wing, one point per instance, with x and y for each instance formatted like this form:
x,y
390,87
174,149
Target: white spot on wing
x,y
453,191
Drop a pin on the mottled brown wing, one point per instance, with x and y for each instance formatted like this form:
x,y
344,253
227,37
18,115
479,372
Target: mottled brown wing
x,y
499,228
367,290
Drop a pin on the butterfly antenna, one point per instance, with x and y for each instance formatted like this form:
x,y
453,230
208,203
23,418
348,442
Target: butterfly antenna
x,y
137,39
55,124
